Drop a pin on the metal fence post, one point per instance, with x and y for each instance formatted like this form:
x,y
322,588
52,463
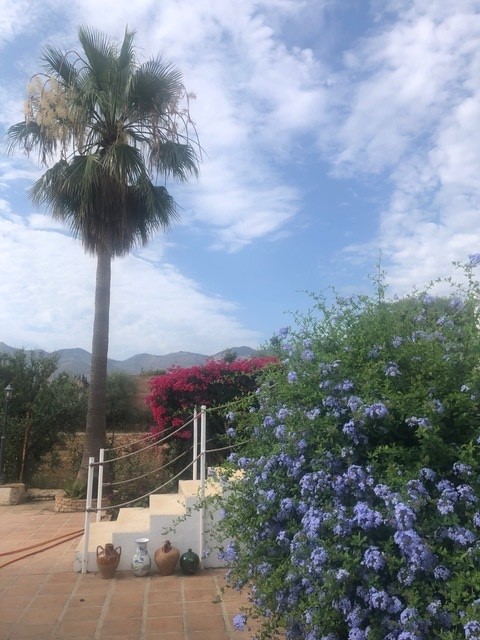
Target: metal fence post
x,y
88,507
203,443
195,444
101,460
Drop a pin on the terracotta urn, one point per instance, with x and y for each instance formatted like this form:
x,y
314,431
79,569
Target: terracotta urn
x,y
166,558
108,558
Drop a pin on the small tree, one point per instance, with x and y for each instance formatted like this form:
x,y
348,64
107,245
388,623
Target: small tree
x,y
123,409
41,409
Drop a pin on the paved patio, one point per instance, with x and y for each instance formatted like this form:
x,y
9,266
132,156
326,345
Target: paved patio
x,y
41,597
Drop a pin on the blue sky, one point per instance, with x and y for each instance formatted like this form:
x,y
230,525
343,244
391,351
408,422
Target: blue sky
x,y
333,130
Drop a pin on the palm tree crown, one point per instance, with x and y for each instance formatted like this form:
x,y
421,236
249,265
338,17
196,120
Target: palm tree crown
x,y
109,124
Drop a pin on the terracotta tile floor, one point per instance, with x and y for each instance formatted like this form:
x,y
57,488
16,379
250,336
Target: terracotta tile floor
x,y
41,597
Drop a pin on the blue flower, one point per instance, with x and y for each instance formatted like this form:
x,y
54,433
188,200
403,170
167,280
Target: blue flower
x,y
307,355
231,432
373,558
377,599
345,385
392,370
365,517
269,421
404,516
472,627
376,410
428,474
462,469
280,431
461,536
408,615
301,445
239,621
351,431
357,634
414,550
353,403
292,377
474,259
456,303
229,554
423,423
318,558
441,572
283,413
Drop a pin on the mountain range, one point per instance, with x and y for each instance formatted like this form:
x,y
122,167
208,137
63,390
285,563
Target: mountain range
x,y
77,361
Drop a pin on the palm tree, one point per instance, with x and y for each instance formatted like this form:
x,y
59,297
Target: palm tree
x,y
107,126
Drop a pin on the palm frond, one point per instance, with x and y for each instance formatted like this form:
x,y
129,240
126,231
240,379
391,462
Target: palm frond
x,y
155,86
127,51
175,159
99,52
124,163
29,136
56,61
150,209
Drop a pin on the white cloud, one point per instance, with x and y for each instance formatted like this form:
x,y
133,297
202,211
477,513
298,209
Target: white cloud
x,y
412,119
47,292
255,95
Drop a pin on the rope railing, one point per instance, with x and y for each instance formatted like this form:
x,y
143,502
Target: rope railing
x,y
148,437
164,466
149,493
149,446
131,444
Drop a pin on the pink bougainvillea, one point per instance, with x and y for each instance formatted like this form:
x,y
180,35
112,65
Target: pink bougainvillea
x,y
175,393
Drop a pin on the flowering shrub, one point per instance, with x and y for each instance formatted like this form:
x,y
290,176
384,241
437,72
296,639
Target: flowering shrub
x,y
175,393
358,515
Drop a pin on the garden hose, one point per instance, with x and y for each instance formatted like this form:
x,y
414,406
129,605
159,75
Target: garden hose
x,y
66,537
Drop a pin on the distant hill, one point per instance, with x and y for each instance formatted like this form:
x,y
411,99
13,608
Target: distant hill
x,y
77,361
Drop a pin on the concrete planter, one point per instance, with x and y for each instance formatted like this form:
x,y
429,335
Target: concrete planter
x,y
13,493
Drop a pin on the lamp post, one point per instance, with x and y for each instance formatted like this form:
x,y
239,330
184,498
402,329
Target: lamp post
x,y
8,394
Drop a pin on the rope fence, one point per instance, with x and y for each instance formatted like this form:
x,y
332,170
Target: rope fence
x,y
198,450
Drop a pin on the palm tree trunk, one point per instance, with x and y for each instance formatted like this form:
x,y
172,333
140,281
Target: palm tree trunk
x,y
95,431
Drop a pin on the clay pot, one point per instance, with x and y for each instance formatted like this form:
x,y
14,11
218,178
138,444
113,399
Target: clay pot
x,y
166,558
189,562
108,559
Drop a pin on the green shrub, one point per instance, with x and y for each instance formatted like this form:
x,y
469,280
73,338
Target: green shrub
x,y
358,515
